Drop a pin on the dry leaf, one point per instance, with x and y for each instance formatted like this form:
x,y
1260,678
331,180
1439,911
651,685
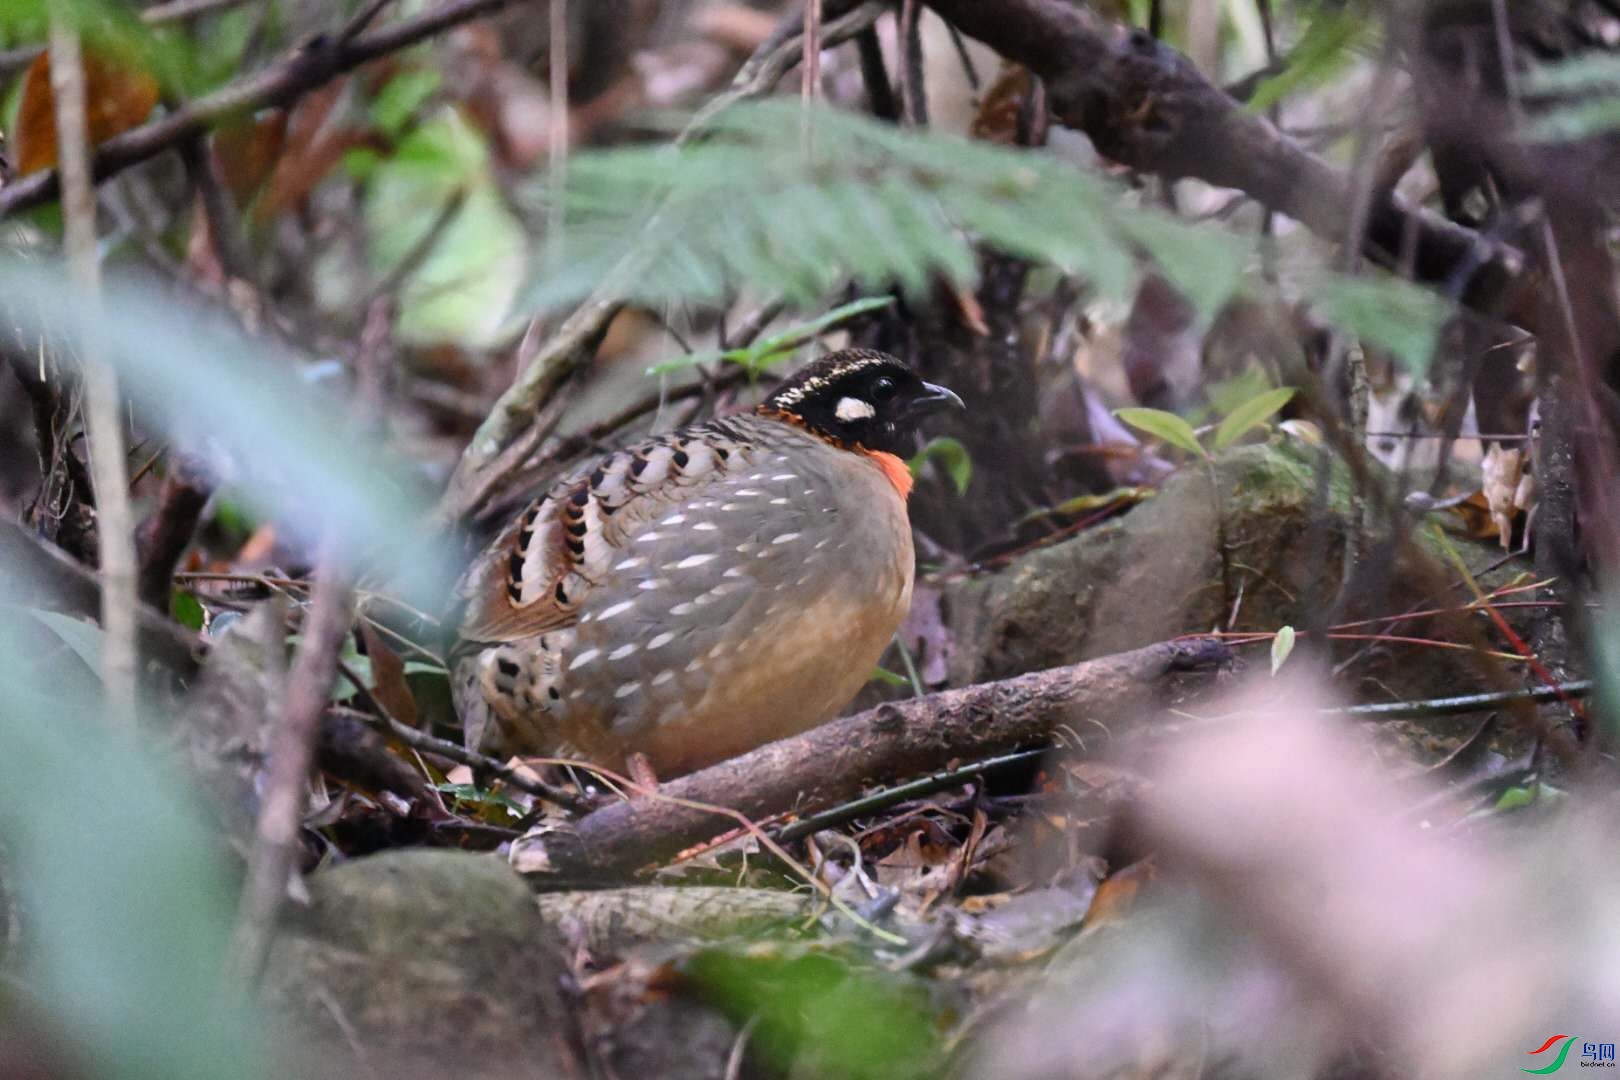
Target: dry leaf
x,y
117,97
388,673
247,151
1116,896
1503,469
997,118
1475,512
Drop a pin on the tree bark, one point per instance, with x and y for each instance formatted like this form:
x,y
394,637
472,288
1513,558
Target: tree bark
x,y
1145,105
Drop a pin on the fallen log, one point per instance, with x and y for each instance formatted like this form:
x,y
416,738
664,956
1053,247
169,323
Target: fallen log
x,y
829,764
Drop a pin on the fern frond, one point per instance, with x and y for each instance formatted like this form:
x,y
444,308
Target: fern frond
x,y
754,206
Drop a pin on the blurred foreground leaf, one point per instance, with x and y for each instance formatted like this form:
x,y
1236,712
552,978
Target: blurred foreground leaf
x,y
1578,98
127,904
755,205
1387,312
293,455
821,1015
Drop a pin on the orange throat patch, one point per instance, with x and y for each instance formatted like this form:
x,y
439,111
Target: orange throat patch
x,y
895,470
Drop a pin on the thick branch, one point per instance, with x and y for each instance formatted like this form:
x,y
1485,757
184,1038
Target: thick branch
x,y
310,67
834,762
1147,106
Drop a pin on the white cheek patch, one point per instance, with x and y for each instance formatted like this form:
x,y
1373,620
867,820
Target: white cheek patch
x,y
852,408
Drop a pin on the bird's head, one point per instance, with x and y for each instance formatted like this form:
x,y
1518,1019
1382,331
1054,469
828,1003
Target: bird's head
x,y
860,398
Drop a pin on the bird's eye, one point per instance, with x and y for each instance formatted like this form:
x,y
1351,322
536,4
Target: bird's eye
x,y
883,388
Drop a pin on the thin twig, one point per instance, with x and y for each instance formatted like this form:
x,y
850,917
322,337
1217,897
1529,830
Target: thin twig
x,y
281,83
1463,703
913,99
557,135
292,752
224,226
810,66
169,528
180,10
742,819
867,805
432,744
108,468
413,259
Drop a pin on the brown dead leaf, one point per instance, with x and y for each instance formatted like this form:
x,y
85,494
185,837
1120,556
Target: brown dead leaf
x,y
117,97
1475,514
1504,471
388,673
971,311
258,548
314,142
997,118
247,151
1116,896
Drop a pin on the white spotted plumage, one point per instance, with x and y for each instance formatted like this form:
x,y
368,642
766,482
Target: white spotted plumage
x,y
654,600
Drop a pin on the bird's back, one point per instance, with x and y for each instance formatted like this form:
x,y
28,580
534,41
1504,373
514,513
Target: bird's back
x,y
688,598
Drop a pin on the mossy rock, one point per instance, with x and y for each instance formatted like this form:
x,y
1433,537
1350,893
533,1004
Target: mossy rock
x,y
428,960
1273,555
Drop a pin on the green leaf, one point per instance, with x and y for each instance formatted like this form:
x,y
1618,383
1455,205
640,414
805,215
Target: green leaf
x,y
890,678
1327,48
751,205
397,102
952,455
1515,798
1597,115
1227,394
461,289
1166,426
1387,312
1250,415
820,1008
1204,263
1281,646
186,609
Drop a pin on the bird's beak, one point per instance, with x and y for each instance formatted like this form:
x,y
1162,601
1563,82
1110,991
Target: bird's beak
x,y
934,398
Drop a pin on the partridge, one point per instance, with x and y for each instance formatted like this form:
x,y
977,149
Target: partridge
x,y
693,596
